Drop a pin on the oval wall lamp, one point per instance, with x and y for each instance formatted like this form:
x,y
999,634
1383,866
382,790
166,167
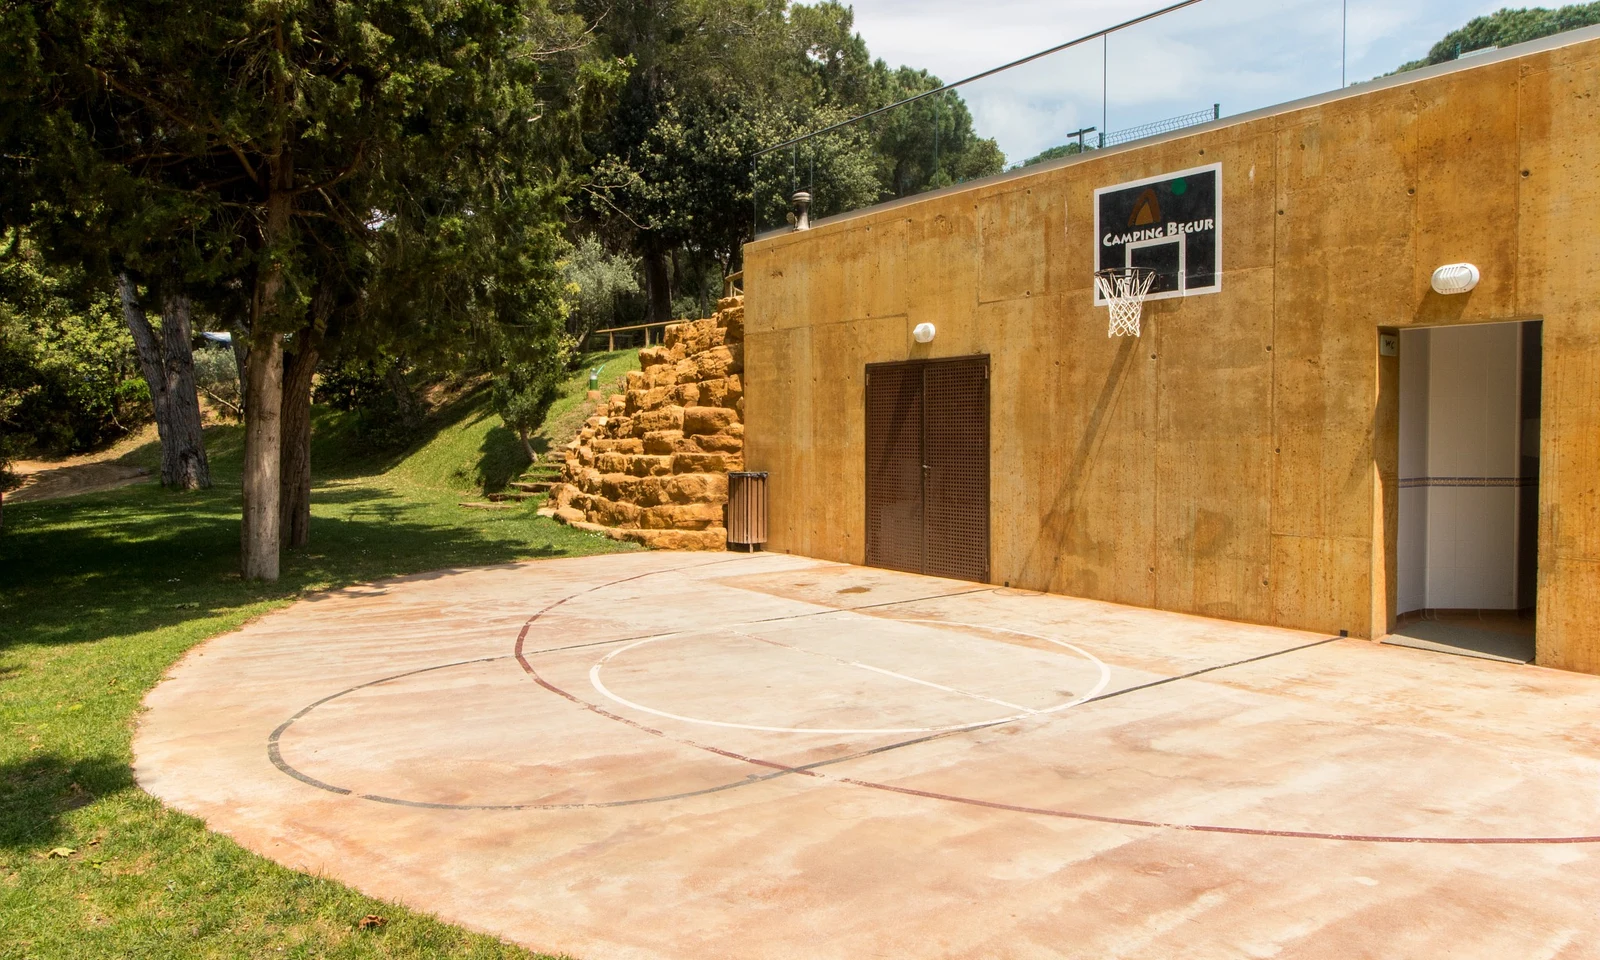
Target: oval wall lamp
x,y
922,333
1455,278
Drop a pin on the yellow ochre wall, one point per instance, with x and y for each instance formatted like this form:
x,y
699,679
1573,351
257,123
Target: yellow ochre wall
x,y
1238,460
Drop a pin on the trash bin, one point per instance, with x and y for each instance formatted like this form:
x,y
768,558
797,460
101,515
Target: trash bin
x,y
747,510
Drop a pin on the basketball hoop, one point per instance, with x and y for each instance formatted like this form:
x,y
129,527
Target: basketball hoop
x,y
1123,289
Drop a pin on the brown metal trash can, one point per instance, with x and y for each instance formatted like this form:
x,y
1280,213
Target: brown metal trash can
x,y
747,510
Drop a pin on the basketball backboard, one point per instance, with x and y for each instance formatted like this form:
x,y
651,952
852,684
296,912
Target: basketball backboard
x,y
1171,224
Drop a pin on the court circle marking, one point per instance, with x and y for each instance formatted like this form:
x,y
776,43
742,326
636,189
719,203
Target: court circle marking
x,y
1104,681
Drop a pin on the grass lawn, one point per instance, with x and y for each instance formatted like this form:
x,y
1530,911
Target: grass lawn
x,y
100,594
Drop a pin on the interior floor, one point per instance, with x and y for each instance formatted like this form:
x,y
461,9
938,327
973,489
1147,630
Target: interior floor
x,y
1490,634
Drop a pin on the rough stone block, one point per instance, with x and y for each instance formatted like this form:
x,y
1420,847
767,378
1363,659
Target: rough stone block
x,y
569,514
722,392
715,538
649,399
706,420
619,486
720,443
681,516
697,488
649,466
665,418
623,445
688,371
650,356
715,363
699,463
611,463
660,442
684,394
634,380
613,513
664,375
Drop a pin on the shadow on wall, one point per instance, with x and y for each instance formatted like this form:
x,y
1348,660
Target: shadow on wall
x,y
1039,571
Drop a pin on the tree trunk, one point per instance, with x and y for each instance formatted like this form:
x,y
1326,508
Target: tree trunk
x,y
239,334
658,286
294,482
167,364
527,446
263,442
187,462
260,534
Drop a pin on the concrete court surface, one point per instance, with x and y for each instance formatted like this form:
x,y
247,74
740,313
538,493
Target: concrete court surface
x,y
660,755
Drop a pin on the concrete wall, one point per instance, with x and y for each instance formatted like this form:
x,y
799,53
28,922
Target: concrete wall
x,y
1240,459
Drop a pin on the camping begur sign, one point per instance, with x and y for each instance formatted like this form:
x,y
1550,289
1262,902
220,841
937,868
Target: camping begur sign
x,y
1171,224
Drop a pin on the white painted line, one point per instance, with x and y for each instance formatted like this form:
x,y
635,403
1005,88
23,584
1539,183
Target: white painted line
x,y
888,673
1105,679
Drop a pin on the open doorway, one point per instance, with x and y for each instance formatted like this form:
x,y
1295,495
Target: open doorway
x,y
1469,489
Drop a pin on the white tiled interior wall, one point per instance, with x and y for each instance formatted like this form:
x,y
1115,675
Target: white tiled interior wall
x,y
1459,420
1412,537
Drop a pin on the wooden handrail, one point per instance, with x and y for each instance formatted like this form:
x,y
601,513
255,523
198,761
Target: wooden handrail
x,y
637,326
611,332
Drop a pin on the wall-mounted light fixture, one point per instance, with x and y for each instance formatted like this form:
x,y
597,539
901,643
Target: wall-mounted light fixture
x,y
922,333
1455,278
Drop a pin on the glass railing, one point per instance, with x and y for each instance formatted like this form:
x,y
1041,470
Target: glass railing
x,y
1186,64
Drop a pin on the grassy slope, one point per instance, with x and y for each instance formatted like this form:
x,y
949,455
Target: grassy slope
x,y
100,594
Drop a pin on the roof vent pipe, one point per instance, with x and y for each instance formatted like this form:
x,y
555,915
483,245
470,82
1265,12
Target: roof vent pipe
x,y
802,211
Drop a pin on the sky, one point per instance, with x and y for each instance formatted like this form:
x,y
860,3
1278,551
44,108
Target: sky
x,y
1241,54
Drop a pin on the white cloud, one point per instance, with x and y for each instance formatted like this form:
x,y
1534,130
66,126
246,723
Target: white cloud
x,y
1243,54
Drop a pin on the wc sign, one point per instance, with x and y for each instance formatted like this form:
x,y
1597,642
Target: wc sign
x,y
1171,224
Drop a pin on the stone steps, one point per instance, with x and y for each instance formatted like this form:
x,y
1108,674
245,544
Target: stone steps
x,y
477,505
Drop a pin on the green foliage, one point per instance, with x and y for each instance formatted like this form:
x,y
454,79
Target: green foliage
x,y
930,143
1505,27
216,374
601,288
525,388
1052,153
378,391
70,381
714,82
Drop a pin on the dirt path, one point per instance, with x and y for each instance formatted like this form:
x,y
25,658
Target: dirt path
x,y
47,481
89,473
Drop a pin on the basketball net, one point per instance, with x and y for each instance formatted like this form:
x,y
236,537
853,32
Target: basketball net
x,y
1123,289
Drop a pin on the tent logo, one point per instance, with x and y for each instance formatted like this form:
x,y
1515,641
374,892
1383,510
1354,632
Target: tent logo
x,y
1146,211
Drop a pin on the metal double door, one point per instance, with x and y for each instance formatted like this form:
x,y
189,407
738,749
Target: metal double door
x,y
928,467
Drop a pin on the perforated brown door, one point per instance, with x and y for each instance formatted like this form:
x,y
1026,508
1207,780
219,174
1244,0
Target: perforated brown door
x,y
955,448
894,466
928,467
